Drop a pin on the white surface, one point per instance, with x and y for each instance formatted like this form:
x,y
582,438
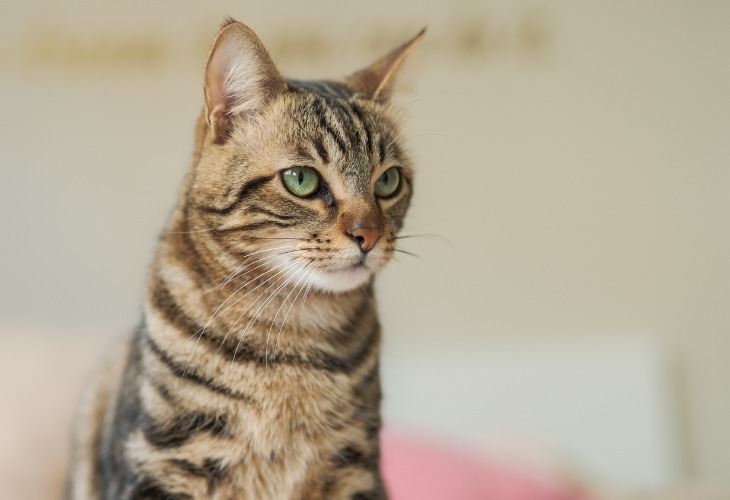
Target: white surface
x,y
605,407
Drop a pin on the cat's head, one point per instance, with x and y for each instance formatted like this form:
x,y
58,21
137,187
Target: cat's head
x,y
307,179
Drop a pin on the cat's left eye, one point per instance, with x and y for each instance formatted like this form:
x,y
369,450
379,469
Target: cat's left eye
x,y
301,181
388,183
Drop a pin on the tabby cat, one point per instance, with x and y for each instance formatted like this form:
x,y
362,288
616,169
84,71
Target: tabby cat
x,y
254,373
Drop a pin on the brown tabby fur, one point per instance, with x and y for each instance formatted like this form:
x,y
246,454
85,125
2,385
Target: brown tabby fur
x,y
254,374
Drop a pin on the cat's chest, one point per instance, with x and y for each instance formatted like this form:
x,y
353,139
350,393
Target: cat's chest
x,y
296,428
259,476
291,401
295,409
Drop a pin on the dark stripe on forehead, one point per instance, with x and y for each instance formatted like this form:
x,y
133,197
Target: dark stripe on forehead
x,y
381,148
342,117
360,161
304,153
351,126
337,90
326,89
367,134
320,109
321,150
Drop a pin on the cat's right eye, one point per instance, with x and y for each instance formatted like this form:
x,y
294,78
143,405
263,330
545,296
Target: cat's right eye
x,y
301,181
388,183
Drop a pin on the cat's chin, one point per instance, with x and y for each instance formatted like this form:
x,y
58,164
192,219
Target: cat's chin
x,y
342,280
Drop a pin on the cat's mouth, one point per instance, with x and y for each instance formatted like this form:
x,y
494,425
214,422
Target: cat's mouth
x,y
356,267
345,277
360,264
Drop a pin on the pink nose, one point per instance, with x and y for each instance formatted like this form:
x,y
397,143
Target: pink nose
x,y
366,237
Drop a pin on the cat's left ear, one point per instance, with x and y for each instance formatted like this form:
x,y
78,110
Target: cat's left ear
x,y
240,78
376,82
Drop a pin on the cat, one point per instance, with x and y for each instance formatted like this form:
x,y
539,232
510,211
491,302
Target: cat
x,y
254,373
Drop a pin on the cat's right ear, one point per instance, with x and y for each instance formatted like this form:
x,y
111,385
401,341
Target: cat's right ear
x,y
240,78
377,80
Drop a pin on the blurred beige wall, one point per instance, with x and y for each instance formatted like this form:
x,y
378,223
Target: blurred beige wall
x,y
574,154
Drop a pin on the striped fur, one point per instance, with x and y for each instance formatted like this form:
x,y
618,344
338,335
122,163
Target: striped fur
x,y
254,373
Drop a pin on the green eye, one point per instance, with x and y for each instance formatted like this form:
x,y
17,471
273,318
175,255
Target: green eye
x,y
301,181
387,184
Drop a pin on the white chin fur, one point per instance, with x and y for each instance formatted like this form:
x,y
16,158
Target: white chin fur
x,y
341,281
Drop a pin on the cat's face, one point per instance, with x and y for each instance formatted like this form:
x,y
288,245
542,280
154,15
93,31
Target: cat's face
x,y
310,184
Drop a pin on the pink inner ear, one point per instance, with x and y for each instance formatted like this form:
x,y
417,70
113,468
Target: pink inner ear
x,y
421,469
219,66
240,78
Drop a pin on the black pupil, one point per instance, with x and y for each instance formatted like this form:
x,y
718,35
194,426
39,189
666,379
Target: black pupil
x,y
301,177
385,178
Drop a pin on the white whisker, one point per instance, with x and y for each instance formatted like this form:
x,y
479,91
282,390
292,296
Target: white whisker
x,y
243,264
283,303
215,314
256,313
310,279
309,287
201,331
291,263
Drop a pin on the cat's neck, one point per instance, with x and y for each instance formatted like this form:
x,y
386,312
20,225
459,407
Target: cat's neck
x,y
258,302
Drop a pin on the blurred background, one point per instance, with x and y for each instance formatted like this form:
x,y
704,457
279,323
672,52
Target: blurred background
x,y
573,164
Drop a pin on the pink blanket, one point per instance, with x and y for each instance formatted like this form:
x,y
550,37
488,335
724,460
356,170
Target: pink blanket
x,y
419,469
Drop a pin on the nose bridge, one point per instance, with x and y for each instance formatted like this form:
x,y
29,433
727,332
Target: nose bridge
x,y
361,214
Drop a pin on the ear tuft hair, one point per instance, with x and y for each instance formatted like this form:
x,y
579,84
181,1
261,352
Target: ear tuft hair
x,y
227,21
